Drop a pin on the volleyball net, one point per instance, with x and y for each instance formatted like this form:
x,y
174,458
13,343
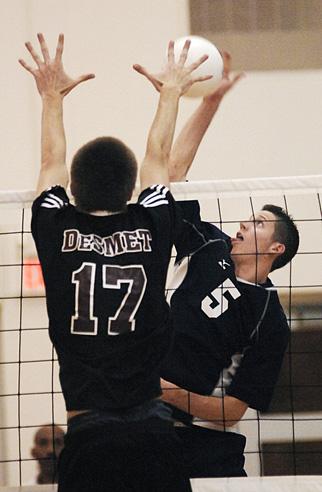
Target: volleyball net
x,y
287,440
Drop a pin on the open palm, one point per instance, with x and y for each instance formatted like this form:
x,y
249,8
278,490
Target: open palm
x,y
227,82
49,75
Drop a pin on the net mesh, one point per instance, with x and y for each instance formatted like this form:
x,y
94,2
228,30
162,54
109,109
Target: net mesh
x,y
285,441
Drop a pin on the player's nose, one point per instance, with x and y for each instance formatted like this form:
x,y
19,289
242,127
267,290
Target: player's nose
x,y
242,226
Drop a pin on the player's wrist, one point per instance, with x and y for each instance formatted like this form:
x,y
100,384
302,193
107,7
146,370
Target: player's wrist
x,y
213,100
52,97
170,90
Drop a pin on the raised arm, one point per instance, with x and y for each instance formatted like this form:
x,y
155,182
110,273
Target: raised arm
x,y
188,141
53,85
172,83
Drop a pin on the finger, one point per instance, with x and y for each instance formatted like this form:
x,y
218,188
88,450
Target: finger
x,y
138,68
237,77
202,78
26,66
79,80
155,82
86,76
227,64
184,53
76,82
171,52
43,47
33,53
226,84
199,62
59,48
143,71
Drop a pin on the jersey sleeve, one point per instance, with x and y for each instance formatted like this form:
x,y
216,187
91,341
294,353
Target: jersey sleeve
x,y
257,375
194,231
45,210
162,208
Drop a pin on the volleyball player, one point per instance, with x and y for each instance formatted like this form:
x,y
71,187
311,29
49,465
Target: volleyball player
x,y
104,264
230,329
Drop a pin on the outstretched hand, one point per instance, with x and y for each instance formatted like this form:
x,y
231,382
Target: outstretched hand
x,y
227,82
175,74
49,75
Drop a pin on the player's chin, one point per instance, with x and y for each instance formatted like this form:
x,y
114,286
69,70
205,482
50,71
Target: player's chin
x,y
235,248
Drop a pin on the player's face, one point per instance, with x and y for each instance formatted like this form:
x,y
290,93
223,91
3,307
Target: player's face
x,y
255,236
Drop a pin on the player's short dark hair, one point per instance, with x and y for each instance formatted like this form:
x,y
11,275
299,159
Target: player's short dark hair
x,y
103,175
286,233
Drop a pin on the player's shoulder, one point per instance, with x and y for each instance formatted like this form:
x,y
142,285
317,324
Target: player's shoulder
x,y
53,199
214,231
155,196
191,214
157,206
50,206
276,315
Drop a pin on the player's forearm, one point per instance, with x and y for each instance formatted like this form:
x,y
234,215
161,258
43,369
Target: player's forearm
x,y
53,141
162,130
224,412
189,139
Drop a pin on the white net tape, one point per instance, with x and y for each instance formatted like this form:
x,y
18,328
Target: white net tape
x,y
217,188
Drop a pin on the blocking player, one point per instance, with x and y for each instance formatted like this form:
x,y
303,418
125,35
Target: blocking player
x,y
104,264
230,329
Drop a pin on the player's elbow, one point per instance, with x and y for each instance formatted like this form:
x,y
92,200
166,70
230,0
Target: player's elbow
x,y
176,174
178,168
233,410
230,422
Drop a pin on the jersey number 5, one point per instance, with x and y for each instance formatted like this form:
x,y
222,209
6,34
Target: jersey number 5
x,y
221,295
84,322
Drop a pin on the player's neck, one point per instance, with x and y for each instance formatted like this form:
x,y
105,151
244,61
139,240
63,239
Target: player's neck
x,y
104,213
254,272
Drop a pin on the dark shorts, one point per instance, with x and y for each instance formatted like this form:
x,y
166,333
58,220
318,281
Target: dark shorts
x,y
103,455
211,453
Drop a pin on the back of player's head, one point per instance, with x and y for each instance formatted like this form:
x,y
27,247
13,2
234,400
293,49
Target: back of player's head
x,y
285,233
103,175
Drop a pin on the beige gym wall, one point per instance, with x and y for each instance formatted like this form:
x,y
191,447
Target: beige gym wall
x,y
269,125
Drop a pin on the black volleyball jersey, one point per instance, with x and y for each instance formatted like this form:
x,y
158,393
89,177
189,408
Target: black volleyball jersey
x,y
228,332
105,278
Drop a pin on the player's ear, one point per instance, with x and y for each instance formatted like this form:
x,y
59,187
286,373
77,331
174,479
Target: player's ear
x,y
129,195
277,248
72,189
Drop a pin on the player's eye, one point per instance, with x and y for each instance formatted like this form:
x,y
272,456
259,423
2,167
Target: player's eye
x,y
259,222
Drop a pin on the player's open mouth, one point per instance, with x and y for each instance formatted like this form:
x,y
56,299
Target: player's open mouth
x,y
239,237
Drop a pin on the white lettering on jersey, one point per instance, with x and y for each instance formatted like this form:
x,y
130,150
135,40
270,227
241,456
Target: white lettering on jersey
x,y
220,296
223,263
116,244
84,321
